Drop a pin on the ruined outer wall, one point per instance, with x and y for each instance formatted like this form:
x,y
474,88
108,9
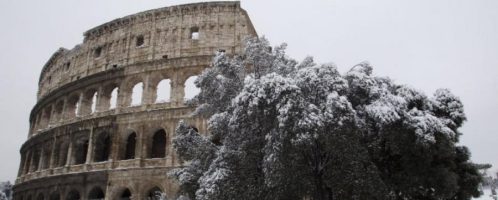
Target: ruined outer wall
x,y
79,144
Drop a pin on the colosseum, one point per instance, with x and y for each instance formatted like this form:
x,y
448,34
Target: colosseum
x,y
107,109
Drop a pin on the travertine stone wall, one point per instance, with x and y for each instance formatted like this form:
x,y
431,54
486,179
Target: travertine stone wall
x,y
87,140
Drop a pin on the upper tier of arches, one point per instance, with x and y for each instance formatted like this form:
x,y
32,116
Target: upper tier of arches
x,y
172,32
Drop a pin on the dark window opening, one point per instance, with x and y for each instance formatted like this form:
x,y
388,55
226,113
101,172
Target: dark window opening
x,y
130,146
96,194
73,195
28,164
98,52
221,50
67,65
102,147
126,195
49,79
115,66
158,145
194,128
80,152
62,156
165,56
46,159
36,161
194,33
55,196
140,41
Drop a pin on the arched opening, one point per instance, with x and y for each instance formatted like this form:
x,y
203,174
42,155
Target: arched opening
x,y
102,147
190,89
28,163
96,194
61,154
55,196
113,100
47,152
73,195
136,94
73,105
40,197
130,146
58,111
80,151
36,160
126,195
46,117
29,198
163,91
158,149
155,194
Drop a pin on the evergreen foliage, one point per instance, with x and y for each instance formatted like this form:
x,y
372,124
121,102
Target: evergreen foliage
x,y
280,129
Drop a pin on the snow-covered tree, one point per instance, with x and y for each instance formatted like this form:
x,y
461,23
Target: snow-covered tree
x,y
280,129
5,190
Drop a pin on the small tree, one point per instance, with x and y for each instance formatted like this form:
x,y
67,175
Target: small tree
x,y
289,130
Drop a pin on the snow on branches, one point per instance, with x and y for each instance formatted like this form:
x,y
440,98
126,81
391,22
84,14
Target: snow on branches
x,y
280,129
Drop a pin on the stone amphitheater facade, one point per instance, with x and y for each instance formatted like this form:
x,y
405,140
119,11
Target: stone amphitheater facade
x,y
87,139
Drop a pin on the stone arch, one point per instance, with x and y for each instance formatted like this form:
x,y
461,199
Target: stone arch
x,y
158,144
28,162
36,159
61,153
109,97
96,194
128,86
190,90
40,197
80,148
130,146
163,91
125,194
72,106
58,109
55,196
137,94
89,101
102,150
46,116
73,195
155,193
47,155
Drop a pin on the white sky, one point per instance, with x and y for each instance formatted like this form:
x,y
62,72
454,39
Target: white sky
x,y
427,44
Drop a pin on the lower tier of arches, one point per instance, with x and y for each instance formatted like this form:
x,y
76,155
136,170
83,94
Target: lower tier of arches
x,y
136,184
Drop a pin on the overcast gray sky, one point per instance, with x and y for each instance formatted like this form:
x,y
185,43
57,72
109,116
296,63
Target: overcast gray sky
x,y
427,44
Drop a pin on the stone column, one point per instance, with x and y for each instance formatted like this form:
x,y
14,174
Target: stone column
x,y
52,154
69,152
147,95
89,153
101,104
177,91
